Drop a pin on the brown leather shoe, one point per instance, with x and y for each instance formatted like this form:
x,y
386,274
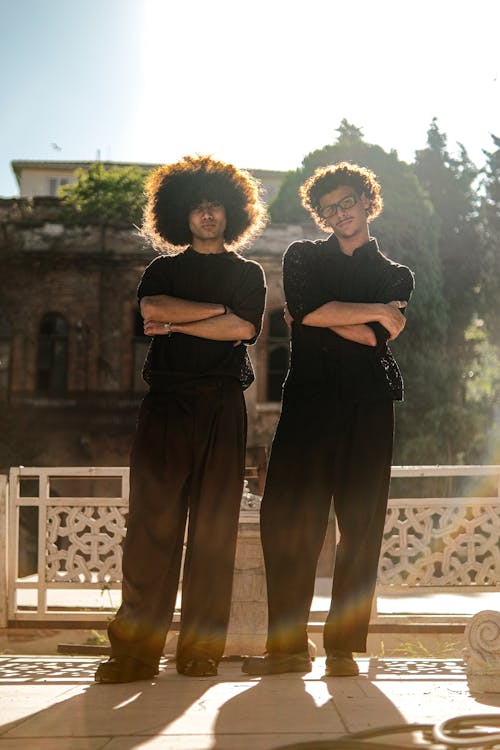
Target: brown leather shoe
x,y
277,663
124,669
341,664
199,667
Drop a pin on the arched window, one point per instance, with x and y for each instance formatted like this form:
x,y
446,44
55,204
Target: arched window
x,y
140,345
52,363
278,354
5,347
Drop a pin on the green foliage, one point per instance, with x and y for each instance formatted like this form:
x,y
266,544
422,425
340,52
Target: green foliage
x,y
287,207
482,393
433,648
483,375
489,227
449,182
434,222
105,196
96,638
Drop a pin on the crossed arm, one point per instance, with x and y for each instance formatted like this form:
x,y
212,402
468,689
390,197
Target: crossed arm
x,y
349,319
206,320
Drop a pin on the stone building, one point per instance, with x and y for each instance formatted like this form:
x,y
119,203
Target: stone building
x,y
71,340
44,178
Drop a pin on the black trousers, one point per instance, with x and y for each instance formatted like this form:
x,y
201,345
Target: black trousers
x,y
187,461
322,448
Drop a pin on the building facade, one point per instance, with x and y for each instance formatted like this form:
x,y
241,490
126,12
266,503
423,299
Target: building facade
x,y
71,339
44,178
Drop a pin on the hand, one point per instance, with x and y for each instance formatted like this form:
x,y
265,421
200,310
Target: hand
x,y
155,328
392,319
399,304
287,317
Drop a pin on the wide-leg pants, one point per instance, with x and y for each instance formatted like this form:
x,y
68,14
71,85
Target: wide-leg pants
x,y
325,447
187,461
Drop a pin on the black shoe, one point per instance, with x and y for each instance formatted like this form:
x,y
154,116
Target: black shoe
x,y
124,669
277,663
341,664
199,667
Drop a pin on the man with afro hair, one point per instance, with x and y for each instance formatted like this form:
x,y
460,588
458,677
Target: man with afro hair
x,y
202,304
334,438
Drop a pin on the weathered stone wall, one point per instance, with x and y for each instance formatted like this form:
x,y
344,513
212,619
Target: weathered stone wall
x,y
89,275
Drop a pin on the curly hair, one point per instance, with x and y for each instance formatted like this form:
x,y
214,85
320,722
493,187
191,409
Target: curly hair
x,y
326,179
173,190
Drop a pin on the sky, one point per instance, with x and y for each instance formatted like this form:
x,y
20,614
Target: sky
x,y
260,83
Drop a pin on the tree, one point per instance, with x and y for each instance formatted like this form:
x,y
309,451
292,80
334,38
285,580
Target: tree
x,y
483,394
105,195
287,207
483,376
489,227
449,183
407,232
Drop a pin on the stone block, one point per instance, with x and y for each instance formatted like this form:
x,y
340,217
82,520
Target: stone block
x,y
248,619
482,652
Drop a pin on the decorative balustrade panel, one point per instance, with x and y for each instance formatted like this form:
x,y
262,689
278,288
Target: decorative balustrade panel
x,y
65,532
448,542
441,545
84,544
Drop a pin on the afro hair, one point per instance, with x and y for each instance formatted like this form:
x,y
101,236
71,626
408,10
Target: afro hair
x,y
326,179
173,190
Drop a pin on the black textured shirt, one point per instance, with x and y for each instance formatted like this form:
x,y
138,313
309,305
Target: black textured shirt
x,y
317,272
222,278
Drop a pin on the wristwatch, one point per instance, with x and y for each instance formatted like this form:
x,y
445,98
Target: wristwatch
x,y
168,328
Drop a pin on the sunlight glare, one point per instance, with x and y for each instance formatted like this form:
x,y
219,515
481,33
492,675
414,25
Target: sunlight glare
x,y
127,702
266,87
318,691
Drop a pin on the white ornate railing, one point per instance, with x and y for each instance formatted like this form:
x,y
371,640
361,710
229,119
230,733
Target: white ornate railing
x,y
445,542
79,527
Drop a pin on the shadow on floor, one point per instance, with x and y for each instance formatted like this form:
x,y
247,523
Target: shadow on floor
x,y
56,699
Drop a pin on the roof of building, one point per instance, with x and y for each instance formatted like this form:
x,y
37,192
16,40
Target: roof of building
x,y
19,164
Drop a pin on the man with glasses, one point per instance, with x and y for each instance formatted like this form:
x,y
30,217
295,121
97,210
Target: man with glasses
x,y
202,303
344,302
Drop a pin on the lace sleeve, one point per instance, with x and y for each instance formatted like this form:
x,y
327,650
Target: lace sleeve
x,y
297,281
398,285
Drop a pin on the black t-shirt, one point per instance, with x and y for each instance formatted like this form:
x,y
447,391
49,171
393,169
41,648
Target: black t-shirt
x,y
222,278
317,272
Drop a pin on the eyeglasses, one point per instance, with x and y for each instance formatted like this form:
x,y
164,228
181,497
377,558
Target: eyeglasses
x,y
348,202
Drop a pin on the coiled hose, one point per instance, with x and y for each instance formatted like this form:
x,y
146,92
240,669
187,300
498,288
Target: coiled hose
x,y
478,731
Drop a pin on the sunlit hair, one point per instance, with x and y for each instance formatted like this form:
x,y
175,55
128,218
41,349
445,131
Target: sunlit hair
x,y
173,190
326,179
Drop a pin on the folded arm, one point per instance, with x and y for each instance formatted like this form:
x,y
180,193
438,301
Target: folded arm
x,y
227,327
162,307
360,333
337,315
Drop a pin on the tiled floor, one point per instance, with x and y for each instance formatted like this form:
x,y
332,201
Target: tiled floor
x,y
53,702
